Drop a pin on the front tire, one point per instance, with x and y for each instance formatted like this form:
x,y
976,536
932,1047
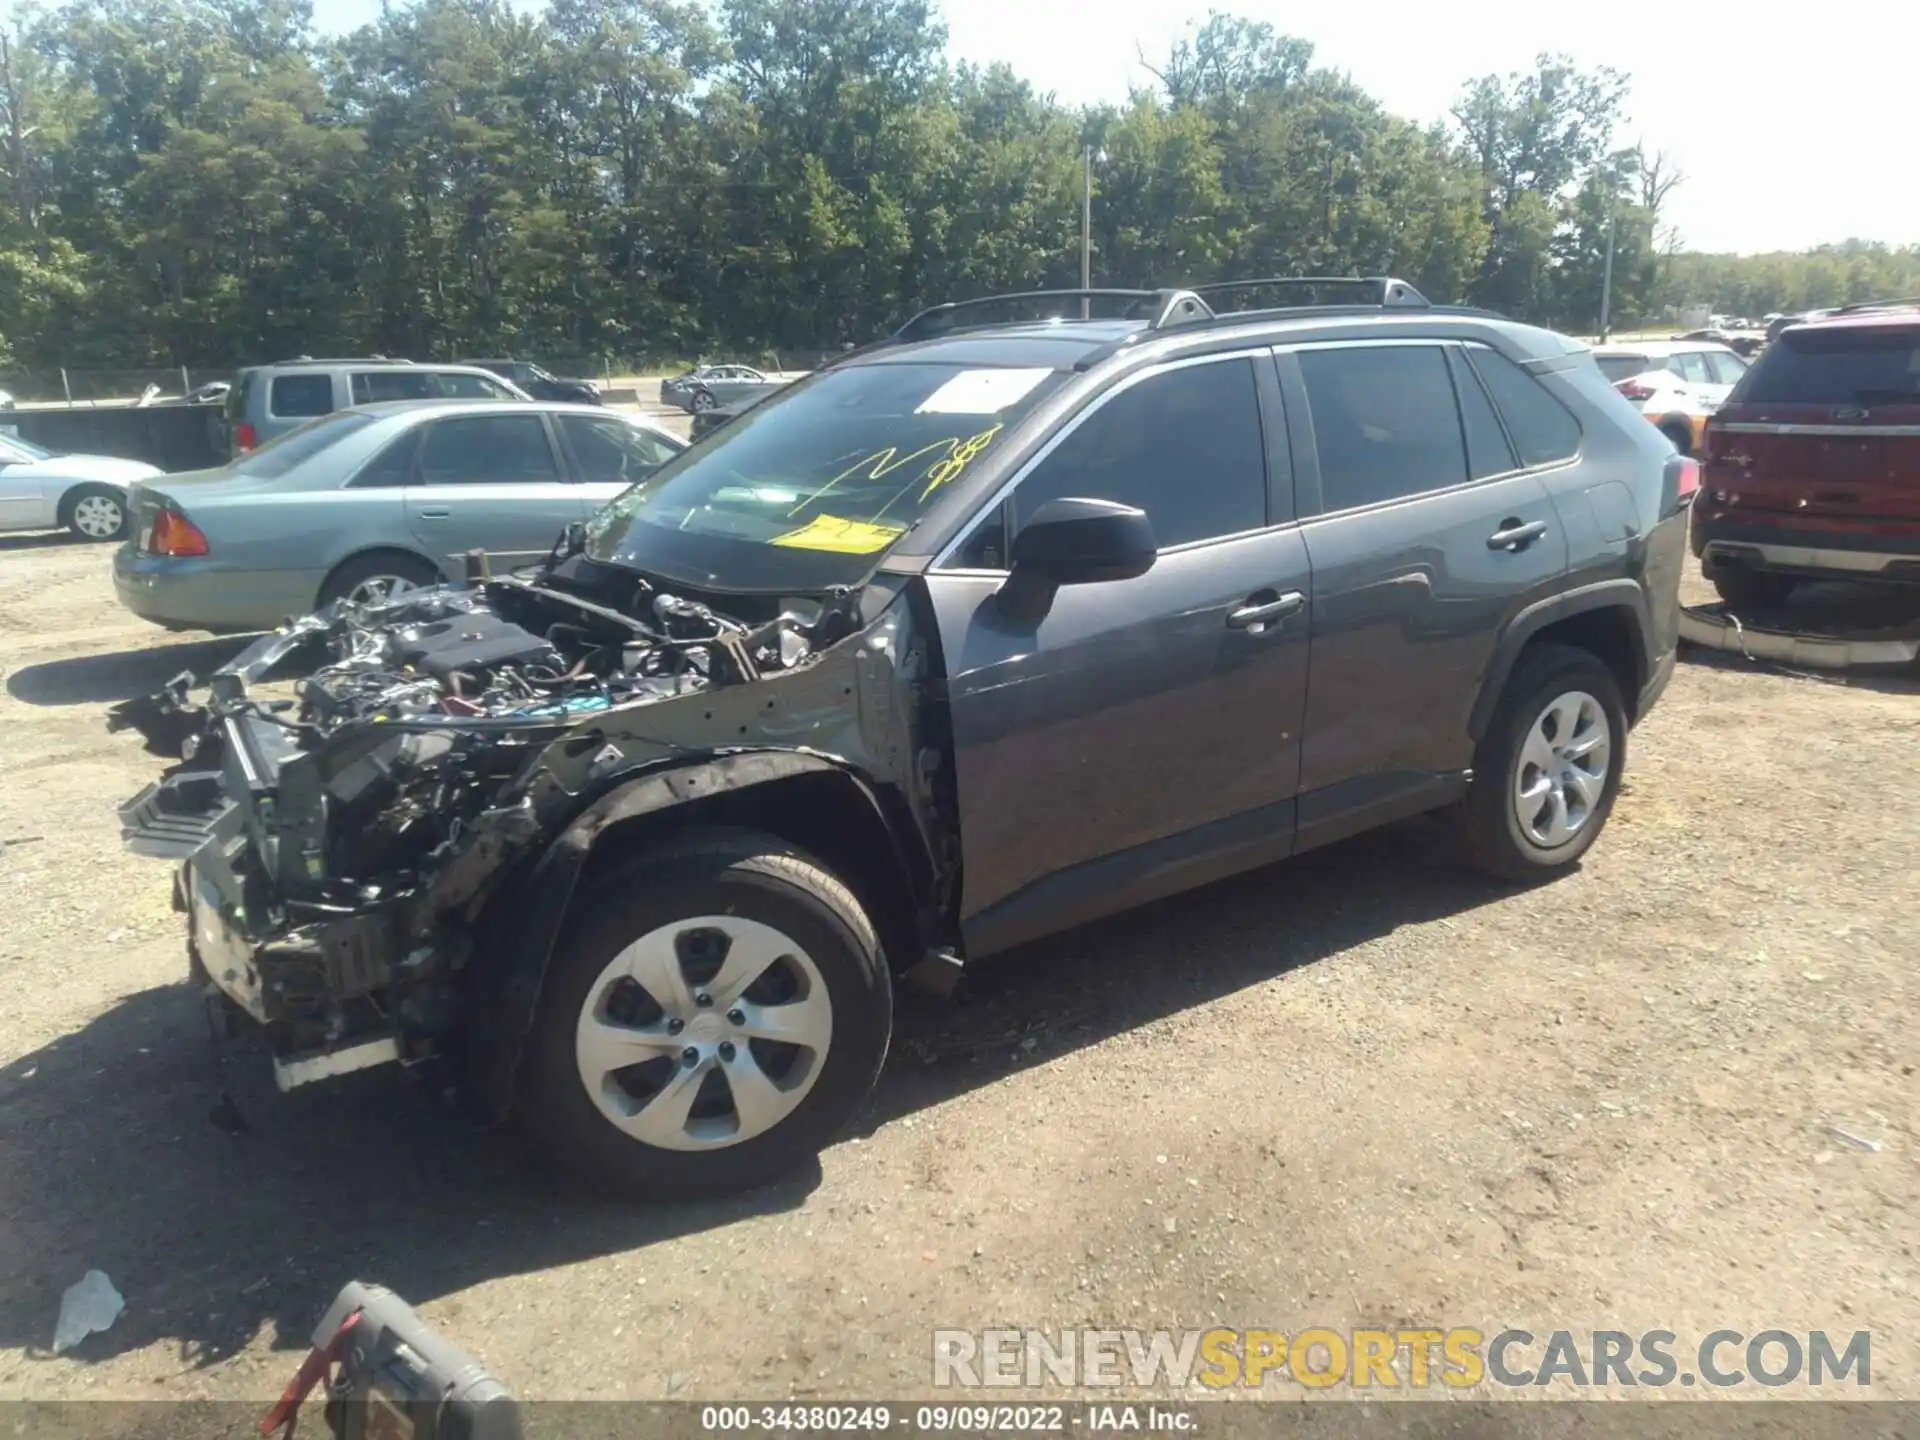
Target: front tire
x,y
95,512
715,1012
1547,770
703,400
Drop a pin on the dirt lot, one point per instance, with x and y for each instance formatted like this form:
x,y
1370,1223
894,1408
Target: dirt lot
x,y
1362,1089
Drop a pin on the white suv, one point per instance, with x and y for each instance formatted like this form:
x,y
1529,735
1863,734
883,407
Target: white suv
x,y
1676,384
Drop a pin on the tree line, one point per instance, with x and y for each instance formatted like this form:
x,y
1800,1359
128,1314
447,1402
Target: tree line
x,y
207,182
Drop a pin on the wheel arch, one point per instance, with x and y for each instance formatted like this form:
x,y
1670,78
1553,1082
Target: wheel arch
x,y
382,548
810,800
1608,620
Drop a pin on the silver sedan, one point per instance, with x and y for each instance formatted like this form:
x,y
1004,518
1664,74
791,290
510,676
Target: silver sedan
x,y
370,501
87,494
711,386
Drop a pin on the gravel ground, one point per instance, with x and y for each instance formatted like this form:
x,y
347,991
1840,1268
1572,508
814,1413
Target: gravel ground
x,y
1363,1089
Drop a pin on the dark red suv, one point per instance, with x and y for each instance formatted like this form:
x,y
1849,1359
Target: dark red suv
x,y
1813,464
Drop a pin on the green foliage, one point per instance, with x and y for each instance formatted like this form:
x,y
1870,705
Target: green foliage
x,y
208,182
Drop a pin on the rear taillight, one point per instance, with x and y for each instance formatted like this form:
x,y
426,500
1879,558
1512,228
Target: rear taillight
x,y
174,534
1634,390
1686,477
244,437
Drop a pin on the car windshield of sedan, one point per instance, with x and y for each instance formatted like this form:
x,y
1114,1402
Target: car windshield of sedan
x,y
810,488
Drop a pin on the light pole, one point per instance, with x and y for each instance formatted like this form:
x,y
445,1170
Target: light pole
x,y
1086,229
1606,283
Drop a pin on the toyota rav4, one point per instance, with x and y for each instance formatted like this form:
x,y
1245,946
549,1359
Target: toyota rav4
x,y
973,635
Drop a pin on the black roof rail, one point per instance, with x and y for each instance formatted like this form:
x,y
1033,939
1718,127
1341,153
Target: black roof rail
x,y
1363,290
1157,307
1860,305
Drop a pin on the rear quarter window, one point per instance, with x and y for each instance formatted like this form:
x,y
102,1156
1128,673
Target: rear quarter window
x,y
1624,367
1844,365
300,396
1543,430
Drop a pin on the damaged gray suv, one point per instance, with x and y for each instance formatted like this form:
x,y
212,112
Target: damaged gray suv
x,y
981,632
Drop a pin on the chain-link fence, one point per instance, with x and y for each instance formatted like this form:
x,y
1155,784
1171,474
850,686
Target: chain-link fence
x,y
120,386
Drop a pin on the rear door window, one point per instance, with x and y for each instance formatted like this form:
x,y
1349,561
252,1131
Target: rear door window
x,y
462,386
487,449
1488,452
392,467
299,396
371,387
606,450
1691,366
1385,423
1727,369
1543,430
1843,365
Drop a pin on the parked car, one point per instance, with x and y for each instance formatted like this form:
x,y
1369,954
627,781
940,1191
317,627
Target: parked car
x,y
706,421
539,383
708,387
269,400
1813,464
42,489
1676,384
952,645
372,501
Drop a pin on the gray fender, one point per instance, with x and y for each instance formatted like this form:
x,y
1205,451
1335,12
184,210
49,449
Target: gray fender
x,y
1619,594
506,989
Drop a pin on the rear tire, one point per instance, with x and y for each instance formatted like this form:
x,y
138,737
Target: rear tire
x,y
1744,589
703,400
380,575
1680,433
635,1079
1547,770
95,512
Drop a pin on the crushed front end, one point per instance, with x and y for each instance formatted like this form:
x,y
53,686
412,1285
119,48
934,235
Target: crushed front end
x,y
351,791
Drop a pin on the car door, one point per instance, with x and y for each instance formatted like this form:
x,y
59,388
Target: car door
x,y
1426,535
25,503
1142,735
492,483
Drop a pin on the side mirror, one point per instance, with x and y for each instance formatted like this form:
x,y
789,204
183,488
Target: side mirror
x,y
1075,542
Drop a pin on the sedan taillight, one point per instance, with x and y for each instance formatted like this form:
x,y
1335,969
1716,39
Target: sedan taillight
x,y
174,534
1635,390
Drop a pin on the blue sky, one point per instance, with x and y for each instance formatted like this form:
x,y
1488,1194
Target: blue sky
x,y
1793,127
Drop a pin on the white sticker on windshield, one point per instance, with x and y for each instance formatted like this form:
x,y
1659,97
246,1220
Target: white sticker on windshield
x,y
981,392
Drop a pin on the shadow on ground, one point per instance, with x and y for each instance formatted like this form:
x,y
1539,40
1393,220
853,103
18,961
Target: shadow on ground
x,y
43,540
122,675
108,1157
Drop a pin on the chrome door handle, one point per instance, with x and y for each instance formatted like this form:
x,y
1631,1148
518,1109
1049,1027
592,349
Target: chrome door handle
x,y
1248,616
433,512
1512,535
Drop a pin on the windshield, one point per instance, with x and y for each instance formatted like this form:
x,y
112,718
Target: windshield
x,y
1624,367
811,487
283,452
1844,365
12,447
